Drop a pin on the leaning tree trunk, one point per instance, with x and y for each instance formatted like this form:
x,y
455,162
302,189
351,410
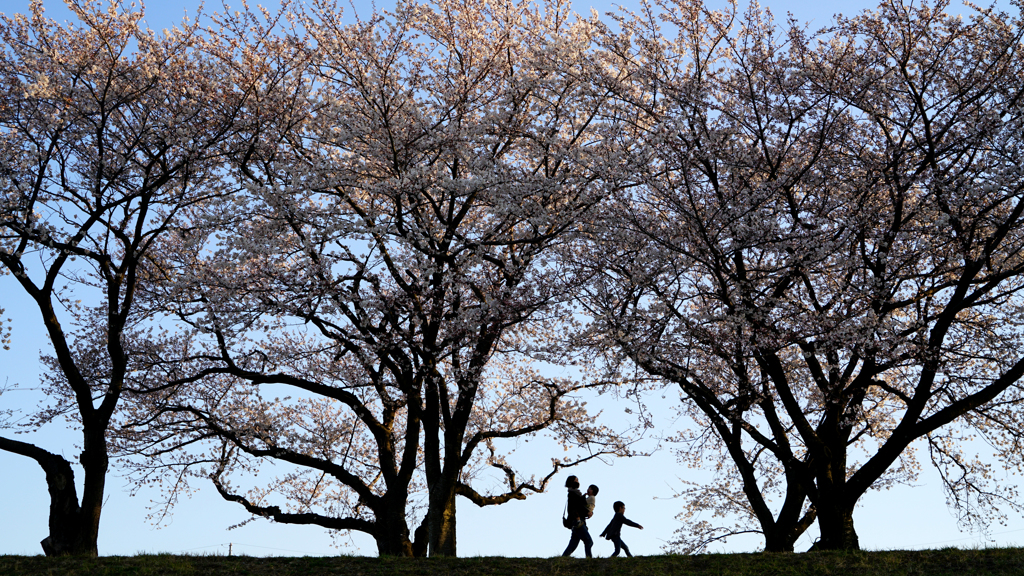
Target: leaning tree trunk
x,y
73,531
792,521
68,536
784,534
781,533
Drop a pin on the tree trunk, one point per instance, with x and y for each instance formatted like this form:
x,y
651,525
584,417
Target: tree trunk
x,y
833,498
837,531
441,520
775,542
419,543
67,537
95,462
781,534
792,521
442,475
391,544
73,531
392,535
784,537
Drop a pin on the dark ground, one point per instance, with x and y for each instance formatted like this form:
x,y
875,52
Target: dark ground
x,y
947,562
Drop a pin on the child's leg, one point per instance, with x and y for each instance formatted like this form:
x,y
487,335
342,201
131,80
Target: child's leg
x,y
617,544
625,548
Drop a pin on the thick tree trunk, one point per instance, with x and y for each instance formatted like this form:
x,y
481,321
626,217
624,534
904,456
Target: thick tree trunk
x,y
393,534
442,475
776,543
95,462
834,505
73,529
782,539
781,536
441,520
781,533
67,537
419,543
833,498
792,521
392,544
837,531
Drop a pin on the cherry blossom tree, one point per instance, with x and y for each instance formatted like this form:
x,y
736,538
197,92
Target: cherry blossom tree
x,y
109,131
823,253
720,131
371,311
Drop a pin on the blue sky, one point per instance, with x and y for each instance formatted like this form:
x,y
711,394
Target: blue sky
x,y
901,518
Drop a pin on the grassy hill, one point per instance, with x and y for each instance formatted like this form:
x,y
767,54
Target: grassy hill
x,y
947,562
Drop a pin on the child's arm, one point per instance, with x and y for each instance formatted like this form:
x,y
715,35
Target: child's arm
x,y
629,522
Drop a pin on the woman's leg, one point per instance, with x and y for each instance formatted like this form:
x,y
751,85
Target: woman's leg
x,y
574,541
588,542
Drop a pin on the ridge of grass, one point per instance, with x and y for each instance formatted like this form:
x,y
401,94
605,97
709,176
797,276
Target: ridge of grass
x,y
944,562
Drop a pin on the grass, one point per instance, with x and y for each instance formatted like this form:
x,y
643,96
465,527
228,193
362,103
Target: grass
x,y
945,562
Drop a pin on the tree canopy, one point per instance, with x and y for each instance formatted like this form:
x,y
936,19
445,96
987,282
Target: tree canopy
x,y
359,248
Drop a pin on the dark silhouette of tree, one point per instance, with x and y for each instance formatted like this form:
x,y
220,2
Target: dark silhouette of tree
x,y
391,265
822,251
109,132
